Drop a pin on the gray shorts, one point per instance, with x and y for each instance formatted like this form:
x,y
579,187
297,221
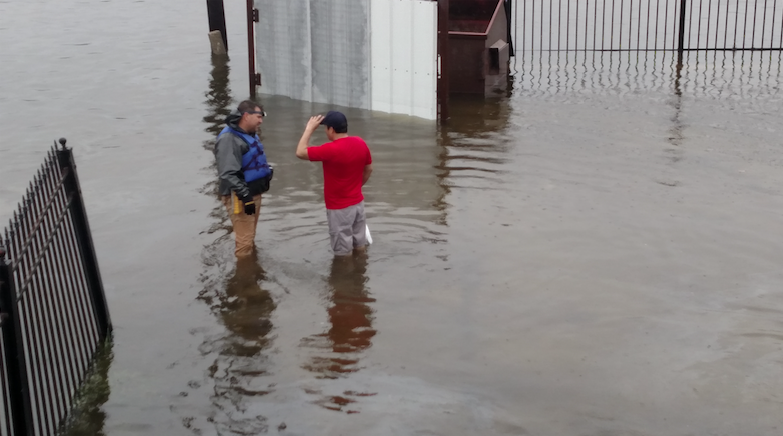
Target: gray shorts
x,y
347,228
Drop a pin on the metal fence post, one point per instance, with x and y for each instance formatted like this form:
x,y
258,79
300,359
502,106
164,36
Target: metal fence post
x,y
15,363
681,42
84,240
443,51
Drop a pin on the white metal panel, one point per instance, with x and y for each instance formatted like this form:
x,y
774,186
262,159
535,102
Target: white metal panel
x,y
425,59
381,36
372,54
404,57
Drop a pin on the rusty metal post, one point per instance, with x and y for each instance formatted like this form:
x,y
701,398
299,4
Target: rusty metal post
x,y
217,18
443,56
19,394
84,241
252,18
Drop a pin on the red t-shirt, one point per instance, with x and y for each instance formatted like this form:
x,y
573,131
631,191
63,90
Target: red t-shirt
x,y
343,161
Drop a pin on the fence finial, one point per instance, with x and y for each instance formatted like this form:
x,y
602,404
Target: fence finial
x,y
62,142
2,252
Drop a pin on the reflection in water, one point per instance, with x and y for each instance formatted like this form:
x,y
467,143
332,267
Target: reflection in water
x,y
245,309
746,74
237,299
219,99
87,418
474,143
350,331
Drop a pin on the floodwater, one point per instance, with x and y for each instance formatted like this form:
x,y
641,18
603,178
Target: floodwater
x,y
596,253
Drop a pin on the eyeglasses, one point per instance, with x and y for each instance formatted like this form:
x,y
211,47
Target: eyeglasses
x,y
262,113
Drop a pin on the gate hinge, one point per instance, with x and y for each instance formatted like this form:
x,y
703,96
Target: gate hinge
x,y
256,17
258,79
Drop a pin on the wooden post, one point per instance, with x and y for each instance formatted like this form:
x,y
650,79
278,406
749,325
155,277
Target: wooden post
x,y
217,19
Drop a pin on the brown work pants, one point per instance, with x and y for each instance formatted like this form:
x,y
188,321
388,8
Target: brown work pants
x,y
244,226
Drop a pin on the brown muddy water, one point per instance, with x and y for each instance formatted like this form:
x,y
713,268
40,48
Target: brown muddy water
x,y
596,253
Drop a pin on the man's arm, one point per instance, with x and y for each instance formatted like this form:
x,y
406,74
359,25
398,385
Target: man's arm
x,y
367,173
304,141
229,163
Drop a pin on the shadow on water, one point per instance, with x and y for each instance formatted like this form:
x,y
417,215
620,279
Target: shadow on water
x,y
350,329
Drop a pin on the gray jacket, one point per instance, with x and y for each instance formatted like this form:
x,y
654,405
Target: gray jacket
x,y
229,150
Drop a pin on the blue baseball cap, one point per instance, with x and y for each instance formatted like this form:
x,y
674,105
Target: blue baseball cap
x,y
335,120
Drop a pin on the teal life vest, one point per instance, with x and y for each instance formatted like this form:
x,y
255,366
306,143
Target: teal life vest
x,y
254,164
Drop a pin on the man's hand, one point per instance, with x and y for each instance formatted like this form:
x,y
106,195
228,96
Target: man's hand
x,y
314,122
304,141
249,205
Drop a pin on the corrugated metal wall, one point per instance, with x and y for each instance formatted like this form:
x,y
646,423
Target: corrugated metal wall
x,y
315,50
368,54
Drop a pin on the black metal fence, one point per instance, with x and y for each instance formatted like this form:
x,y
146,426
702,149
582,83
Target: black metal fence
x,y
54,313
647,25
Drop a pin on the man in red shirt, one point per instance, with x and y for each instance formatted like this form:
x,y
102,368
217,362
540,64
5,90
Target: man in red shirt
x,y
347,165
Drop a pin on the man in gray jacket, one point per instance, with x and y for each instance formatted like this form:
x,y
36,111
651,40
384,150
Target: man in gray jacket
x,y
244,172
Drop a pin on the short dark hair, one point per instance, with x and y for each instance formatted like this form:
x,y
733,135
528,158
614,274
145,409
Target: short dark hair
x,y
248,106
340,129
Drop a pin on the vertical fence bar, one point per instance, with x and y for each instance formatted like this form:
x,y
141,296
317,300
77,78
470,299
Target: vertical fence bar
x,y
524,26
726,30
611,37
772,37
84,239
541,31
595,24
764,25
15,362
603,24
568,24
550,25
559,22
587,21
755,12
620,37
665,24
657,22
681,42
690,23
533,26
744,23
717,24
698,36
630,24
647,37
